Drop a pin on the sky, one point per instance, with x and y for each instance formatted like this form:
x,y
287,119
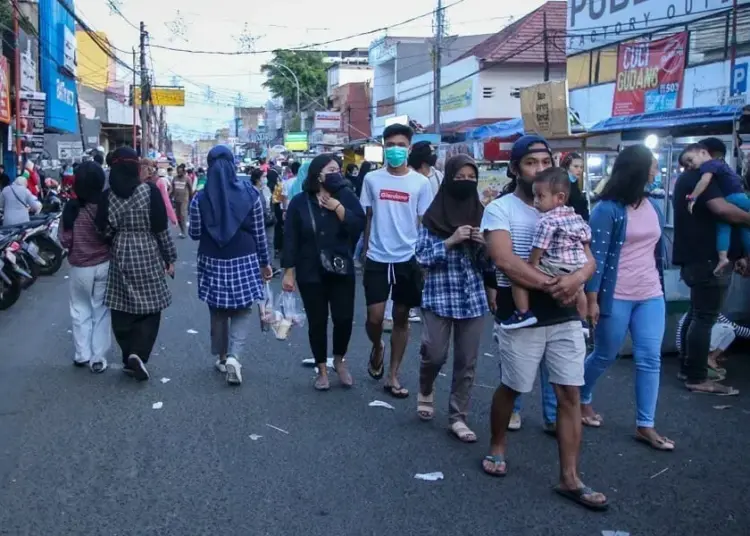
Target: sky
x,y
220,25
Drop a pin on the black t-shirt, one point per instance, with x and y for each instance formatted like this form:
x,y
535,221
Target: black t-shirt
x,y
695,234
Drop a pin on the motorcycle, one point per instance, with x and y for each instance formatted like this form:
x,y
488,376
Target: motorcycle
x,y
13,277
41,243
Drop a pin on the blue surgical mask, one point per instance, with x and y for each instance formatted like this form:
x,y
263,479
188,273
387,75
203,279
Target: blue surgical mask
x,y
396,156
656,185
572,177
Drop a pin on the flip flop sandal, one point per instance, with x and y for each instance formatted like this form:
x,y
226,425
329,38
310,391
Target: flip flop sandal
x,y
425,407
579,496
592,422
396,392
717,391
463,433
376,373
664,444
322,383
496,461
345,376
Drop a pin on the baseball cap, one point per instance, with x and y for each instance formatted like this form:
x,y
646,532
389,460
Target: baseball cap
x,y
522,146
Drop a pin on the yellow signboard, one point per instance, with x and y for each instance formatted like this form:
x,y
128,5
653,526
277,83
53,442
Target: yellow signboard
x,y
164,96
456,96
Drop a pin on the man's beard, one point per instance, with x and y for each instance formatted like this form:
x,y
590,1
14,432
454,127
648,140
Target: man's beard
x,y
526,187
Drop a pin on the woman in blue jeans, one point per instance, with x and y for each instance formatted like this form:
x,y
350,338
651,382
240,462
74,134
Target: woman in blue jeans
x,y
626,291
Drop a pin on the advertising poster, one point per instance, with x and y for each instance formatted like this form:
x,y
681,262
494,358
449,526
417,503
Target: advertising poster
x,y
649,75
456,96
4,90
32,121
327,121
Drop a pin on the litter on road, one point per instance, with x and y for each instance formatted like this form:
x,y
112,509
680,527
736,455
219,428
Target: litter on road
x,y
380,404
157,405
255,437
430,477
192,331
660,472
277,429
165,380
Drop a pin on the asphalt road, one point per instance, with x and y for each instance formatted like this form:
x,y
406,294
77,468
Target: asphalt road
x,y
85,454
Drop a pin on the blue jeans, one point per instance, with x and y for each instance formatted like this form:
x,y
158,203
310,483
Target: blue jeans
x,y
645,320
724,230
358,249
549,400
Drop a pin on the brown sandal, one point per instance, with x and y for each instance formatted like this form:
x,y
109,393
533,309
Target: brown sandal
x,y
425,407
342,370
463,432
660,443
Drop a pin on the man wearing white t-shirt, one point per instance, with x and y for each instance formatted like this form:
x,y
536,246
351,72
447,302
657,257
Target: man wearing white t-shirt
x,y
287,185
395,198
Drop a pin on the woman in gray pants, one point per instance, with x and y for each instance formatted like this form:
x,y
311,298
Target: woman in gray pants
x,y
451,252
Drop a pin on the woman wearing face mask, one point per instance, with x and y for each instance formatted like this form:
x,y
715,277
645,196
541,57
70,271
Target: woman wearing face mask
x,y
452,253
322,224
573,164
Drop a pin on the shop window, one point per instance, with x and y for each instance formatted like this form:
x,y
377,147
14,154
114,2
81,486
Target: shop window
x,y
488,92
579,70
711,40
606,68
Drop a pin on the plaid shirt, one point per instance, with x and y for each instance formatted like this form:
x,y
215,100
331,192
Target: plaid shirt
x,y
454,284
231,283
136,282
561,233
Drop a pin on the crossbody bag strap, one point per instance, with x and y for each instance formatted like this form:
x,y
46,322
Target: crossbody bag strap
x,y
27,207
312,220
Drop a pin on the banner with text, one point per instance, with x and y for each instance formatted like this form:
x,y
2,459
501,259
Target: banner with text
x,y
649,75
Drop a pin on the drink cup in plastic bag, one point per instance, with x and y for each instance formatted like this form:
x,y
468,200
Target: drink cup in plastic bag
x,y
288,313
265,309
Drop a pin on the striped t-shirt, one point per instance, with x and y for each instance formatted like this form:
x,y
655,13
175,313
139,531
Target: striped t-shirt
x,y
509,213
740,331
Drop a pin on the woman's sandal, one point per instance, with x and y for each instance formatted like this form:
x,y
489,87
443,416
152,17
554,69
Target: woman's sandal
x,y
593,422
463,432
497,462
579,496
425,406
322,383
661,443
376,373
396,392
345,377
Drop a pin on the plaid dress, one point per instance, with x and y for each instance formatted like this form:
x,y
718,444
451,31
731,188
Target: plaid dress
x,y
137,283
233,283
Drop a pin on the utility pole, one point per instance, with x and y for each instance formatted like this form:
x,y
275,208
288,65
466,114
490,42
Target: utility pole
x,y
134,104
733,50
145,93
437,58
546,42
17,82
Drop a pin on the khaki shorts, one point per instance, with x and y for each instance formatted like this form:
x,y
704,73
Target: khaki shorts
x,y
562,347
555,269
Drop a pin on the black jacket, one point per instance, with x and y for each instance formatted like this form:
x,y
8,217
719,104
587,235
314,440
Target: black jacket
x,y
578,201
302,247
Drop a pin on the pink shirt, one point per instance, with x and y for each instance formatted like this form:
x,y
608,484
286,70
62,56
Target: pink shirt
x,y
637,275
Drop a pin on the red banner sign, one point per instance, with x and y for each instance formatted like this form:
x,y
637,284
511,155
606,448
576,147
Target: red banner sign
x,y
649,75
4,90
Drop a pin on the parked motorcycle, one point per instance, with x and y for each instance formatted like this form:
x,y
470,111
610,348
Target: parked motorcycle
x,y
41,243
13,277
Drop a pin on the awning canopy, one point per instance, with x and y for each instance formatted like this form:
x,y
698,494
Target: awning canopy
x,y
683,117
500,129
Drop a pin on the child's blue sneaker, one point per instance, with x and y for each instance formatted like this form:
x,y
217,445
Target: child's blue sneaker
x,y
519,320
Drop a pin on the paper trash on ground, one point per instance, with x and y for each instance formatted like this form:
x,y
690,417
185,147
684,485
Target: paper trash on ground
x,y
255,437
380,404
192,331
430,477
157,405
164,380
488,355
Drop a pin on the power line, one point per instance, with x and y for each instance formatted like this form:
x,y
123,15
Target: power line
x,y
310,46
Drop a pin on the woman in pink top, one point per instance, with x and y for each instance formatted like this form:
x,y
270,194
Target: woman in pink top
x,y
626,294
149,174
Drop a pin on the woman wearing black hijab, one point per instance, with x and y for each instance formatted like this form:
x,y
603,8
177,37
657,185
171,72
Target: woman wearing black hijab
x,y
452,253
133,216
88,255
274,184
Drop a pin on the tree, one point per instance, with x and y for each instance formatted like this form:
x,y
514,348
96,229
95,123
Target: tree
x,y
310,70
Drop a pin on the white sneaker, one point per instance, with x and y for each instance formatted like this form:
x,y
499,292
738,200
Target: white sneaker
x,y
515,421
221,366
234,371
98,366
414,316
140,372
388,325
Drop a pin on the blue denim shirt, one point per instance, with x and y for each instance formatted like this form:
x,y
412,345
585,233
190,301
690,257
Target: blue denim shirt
x,y
608,223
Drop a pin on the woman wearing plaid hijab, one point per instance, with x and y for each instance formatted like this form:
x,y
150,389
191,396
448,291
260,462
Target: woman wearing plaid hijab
x,y
134,218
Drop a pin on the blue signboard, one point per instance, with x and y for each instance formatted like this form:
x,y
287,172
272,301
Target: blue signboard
x,y
739,79
57,60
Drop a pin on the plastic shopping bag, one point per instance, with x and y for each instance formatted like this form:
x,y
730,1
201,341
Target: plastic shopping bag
x,y
265,309
288,313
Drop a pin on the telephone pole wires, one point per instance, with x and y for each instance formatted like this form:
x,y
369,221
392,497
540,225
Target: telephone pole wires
x,y
145,93
437,59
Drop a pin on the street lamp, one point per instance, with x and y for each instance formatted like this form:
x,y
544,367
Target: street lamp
x,y
296,81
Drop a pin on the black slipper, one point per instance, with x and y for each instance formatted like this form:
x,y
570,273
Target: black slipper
x,y
396,392
577,495
376,373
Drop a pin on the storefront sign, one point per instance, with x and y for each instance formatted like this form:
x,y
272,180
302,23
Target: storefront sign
x,y
327,121
164,95
69,50
544,109
597,23
4,90
69,150
29,61
32,121
456,96
649,75
296,141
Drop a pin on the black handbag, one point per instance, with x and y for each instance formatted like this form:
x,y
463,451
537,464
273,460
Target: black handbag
x,y
333,263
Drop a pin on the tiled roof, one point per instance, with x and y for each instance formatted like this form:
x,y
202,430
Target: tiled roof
x,y
522,41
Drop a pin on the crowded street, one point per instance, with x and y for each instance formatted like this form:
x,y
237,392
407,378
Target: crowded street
x,y
84,453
